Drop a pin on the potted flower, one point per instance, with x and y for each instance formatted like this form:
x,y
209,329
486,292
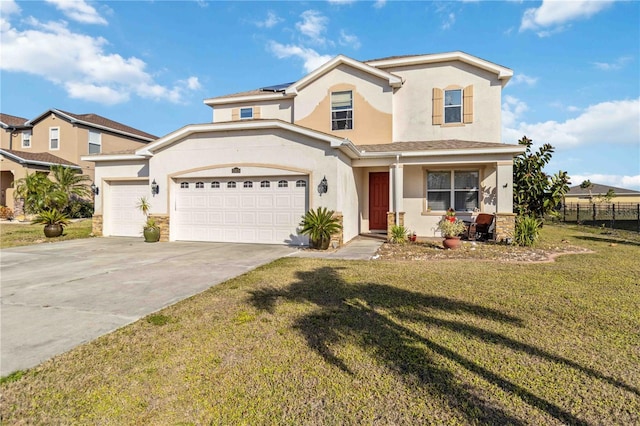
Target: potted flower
x,y
150,230
451,228
319,225
53,221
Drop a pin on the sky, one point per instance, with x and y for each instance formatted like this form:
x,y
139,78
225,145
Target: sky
x,y
150,64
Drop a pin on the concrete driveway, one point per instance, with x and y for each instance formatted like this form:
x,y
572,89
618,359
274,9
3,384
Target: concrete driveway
x,y
56,296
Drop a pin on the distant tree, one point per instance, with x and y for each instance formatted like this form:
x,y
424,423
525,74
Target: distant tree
x,y
588,186
536,193
606,198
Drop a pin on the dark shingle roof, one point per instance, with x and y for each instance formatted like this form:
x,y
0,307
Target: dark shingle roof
x,y
40,157
431,146
599,189
105,122
12,120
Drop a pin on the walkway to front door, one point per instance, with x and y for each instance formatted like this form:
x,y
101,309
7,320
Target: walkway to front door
x,y
378,200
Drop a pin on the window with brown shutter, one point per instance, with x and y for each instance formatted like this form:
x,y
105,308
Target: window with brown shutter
x,y
437,107
235,114
467,104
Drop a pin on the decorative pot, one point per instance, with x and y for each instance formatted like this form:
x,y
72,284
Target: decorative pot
x,y
451,243
151,235
322,244
52,231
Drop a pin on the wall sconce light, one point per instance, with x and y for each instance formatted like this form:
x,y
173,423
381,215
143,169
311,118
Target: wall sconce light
x,y
95,189
322,186
155,188
505,185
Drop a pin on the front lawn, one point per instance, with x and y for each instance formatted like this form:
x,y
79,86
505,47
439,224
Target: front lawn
x,y
311,341
21,234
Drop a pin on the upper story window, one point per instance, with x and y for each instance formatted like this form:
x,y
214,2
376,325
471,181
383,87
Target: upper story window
x,y
26,139
342,110
54,138
95,142
246,113
453,106
453,188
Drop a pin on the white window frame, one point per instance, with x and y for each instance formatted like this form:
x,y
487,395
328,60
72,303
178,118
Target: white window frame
x,y
348,110
96,142
452,189
250,116
51,138
26,139
445,106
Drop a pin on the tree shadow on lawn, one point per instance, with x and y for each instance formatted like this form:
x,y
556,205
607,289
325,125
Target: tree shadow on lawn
x,y
609,240
352,312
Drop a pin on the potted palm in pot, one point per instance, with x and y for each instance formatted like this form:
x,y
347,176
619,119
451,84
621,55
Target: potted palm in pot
x,y
319,225
150,230
451,228
53,221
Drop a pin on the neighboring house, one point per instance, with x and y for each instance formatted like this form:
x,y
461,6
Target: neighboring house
x,y
59,137
577,195
395,140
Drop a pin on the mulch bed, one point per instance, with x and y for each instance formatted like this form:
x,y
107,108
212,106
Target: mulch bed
x,y
433,250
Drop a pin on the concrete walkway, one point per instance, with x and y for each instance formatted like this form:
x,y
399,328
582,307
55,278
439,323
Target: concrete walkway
x,y
56,296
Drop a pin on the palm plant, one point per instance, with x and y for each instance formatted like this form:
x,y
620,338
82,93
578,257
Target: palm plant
x,y
39,193
51,217
319,225
71,182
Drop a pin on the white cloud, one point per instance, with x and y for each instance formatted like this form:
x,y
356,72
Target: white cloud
x,y
79,11
449,20
524,79
270,21
80,64
379,4
342,1
8,7
555,14
620,181
313,25
311,58
615,65
612,122
349,40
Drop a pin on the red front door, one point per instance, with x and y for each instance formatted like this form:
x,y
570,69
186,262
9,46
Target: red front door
x,y
378,200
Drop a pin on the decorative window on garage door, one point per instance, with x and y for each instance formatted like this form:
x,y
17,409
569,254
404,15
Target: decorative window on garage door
x,y
301,183
215,184
265,184
248,184
231,185
283,184
184,185
199,185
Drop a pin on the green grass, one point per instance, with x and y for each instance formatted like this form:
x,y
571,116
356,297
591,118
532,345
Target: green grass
x,y
310,341
20,234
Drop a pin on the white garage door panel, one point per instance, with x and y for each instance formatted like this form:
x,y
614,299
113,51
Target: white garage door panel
x,y
125,218
251,213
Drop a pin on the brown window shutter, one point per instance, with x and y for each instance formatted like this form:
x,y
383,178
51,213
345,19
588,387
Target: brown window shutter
x,y
256,112
467,104
437,106
235,114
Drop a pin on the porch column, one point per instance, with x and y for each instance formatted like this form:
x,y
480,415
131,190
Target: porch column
x,y
397,192
505,219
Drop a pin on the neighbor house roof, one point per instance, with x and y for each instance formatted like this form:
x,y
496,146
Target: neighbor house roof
x,y
7,120
98,122
599,189
36,158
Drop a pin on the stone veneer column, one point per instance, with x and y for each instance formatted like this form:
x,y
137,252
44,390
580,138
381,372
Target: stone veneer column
x,y
96,225
337,239
163,224
505,226
391,221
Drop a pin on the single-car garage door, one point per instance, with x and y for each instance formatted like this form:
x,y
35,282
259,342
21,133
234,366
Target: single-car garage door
x,y
246,210
124,217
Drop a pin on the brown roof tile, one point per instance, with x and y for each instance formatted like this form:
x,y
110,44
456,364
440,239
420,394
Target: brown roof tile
x,y
43,157
12,120
105,122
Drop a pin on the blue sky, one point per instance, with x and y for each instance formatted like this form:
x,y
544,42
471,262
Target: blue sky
x,y
150,64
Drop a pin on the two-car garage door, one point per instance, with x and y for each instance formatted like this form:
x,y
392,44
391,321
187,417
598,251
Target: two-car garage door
x,y
245,210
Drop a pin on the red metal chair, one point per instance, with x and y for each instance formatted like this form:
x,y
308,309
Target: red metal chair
x,y
480,228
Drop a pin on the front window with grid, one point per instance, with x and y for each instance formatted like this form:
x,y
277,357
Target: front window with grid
x,y
26,139
246,113
342,110
453,106
455,188
95,142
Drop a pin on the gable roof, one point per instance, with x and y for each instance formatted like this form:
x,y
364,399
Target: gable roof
x,y
37,158
600,189
13,121
98,122
503,73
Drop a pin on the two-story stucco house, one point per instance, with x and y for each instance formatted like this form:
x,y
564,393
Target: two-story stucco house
x,y
59,137
394,140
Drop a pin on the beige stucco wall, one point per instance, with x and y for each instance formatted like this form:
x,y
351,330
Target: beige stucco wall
x,y
281,109
412,103
372,105
109,171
